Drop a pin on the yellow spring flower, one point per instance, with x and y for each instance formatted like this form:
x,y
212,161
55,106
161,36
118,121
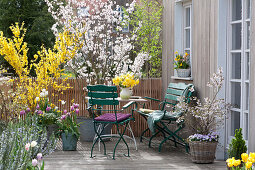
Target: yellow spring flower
x,y
230,162
248,165
236,162
252,155
244,157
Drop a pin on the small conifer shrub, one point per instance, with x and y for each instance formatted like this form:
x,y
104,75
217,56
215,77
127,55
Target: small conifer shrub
x,y
237,145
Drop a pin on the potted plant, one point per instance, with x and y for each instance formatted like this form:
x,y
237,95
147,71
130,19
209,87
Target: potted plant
x,y
182,65
47,113
126,83
236,149
237,145
203,119
69,129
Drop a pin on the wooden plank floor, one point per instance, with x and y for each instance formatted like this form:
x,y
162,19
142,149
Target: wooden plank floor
x,y
144,158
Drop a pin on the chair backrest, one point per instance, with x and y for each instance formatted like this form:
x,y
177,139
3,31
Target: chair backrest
x,y
175,90
102,95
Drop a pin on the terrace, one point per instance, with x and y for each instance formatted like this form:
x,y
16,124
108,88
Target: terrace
x,y
144,158
177,72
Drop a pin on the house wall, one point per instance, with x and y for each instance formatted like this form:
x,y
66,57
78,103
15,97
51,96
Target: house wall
x,y
204,43
251,138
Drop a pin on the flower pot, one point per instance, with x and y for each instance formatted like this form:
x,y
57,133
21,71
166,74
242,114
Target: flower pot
x,y
202,152
87,132
51,129
125,93
69,142
183,72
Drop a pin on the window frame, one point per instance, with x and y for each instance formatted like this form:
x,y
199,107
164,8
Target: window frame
x,y
244,81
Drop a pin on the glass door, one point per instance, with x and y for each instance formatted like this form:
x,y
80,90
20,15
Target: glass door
x,y
238,66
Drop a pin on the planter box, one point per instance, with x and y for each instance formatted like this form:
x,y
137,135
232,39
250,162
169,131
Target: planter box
x,y
183,72
69,142
202,152
87,129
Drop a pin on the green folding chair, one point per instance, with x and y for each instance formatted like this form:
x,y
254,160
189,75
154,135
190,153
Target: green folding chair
x,y
99,97
158,120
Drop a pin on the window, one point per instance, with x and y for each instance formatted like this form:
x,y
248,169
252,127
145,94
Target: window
x,y
187,29
183,30
239,65
125,27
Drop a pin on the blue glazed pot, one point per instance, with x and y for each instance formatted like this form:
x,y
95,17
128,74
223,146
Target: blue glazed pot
x,y
69,142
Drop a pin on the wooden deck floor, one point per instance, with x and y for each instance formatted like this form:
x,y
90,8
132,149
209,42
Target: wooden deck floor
x,y
144,158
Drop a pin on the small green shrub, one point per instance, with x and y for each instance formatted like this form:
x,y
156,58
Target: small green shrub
x,y
237,145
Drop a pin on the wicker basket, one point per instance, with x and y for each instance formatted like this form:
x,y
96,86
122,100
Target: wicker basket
x,y
183,72
202,152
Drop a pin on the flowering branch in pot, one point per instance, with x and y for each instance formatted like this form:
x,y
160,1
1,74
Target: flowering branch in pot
x,y
204,118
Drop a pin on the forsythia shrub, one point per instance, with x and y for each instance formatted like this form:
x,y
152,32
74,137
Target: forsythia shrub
x,y
47,69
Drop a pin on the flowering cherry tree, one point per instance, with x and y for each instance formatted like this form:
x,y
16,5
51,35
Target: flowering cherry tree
x,y
106,51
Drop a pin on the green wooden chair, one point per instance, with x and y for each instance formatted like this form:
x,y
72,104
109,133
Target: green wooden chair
x,y
100,96
158,120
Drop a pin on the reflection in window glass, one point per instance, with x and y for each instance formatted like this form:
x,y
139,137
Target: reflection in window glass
x,y
248,35
236,94
235,122
187,35
236,10
187,17
236,66
236,36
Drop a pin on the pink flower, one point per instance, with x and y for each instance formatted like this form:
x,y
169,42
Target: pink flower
x,y
27,146
34,162
48,109
63,117
37,107
77,111
22,112
28,110
75,105
40,112
65,111
72,108
39,156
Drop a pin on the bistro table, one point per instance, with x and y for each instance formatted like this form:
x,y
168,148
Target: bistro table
x,y
138,101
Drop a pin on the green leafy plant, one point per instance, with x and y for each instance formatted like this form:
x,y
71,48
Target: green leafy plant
x,y
237,145
146,22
